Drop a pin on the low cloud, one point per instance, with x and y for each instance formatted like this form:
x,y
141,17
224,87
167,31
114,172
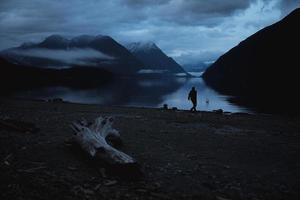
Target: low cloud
x,y
73,56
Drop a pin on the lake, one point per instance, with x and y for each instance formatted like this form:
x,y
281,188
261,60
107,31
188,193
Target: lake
x,y
141,92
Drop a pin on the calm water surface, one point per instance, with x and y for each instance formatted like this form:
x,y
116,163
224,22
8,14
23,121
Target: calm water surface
x,y
141,93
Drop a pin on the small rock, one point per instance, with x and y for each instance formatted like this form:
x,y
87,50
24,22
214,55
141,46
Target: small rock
x,y
97,187
55,100
8,157
72,168
88,192
157,185
6,163
218,111
159,195
165,106
110,182
226,166
221,198
142,190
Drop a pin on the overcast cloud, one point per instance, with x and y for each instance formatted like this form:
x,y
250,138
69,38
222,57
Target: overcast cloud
x,y
188,30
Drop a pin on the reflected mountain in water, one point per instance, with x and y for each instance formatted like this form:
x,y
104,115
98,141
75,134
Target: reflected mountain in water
x,y
122,91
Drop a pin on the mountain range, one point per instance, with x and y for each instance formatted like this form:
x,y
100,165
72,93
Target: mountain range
x,y
262,71
58,52
99,51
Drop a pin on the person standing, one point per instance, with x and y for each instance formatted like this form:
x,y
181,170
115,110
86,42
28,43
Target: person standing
x,y
193,98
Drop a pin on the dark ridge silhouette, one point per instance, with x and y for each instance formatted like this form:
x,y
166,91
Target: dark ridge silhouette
x,y
15,77
262,71
153,57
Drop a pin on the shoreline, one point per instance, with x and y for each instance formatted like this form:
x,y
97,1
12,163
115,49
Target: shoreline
x,y
139,107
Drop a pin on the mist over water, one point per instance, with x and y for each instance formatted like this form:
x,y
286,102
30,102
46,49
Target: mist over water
x,y
150,92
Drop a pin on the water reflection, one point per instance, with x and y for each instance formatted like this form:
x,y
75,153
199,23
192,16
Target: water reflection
x,y
142,93
208,99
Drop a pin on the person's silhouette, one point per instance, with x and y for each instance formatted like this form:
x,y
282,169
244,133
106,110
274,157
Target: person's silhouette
x,y
193,98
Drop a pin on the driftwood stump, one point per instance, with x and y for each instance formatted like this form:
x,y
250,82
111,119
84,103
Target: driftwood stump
x,y
92,137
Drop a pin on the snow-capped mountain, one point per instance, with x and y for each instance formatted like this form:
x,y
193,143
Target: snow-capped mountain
x,y
141,46
154,59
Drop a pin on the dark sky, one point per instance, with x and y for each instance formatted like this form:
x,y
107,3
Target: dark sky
x,y
187,30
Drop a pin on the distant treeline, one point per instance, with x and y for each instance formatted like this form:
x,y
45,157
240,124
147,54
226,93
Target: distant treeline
x,y
15,77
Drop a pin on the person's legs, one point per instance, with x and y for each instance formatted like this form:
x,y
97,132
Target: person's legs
x,y
194,107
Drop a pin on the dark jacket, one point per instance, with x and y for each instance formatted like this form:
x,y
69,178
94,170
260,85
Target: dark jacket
x,y
193,95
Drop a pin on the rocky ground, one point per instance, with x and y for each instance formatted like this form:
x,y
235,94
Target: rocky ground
x,y
182,155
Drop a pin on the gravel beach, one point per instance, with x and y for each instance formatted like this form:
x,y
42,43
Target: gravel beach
x,y
182,155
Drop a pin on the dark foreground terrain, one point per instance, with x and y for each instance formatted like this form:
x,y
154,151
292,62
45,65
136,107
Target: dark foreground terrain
x,y
183,155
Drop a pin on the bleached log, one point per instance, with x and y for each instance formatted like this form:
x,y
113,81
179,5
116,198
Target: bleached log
x,y
93,139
